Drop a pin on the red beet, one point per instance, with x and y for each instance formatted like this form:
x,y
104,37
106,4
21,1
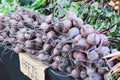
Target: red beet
x,y
67,24
93,39
93,56
57,59
66,48
80,57
86,30
101,70
104,50
44,26
54,65
2,26
75,73
77,38
83,74
73,32
78,22
83,44
104,39
69,69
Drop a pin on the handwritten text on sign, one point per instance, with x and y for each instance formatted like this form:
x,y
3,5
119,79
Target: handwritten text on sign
x,y
31,70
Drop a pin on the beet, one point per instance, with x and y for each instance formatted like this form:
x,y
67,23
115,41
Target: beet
x,y
2,26
92,48
57,59
104,50
77,38
93,39
7,18
69,69
101,70
87,78
54,65
25,17
12,40
20,36
67,24
34,52
40,56
75,55
111,63
12,21
35,23
44,38
56,51
53,43
70,15
30,35
80,57
23,30
104,39
78,22
38,40
66,61
46,58
44,26
58,27
29,44
14,29
37,47
20,9
83,44
75,73
18,49
96,76
86,30
93,56
1,16
1,38
16,16
47,47
66,48
73,32
49,18
29,20
51,35
83,74
64,29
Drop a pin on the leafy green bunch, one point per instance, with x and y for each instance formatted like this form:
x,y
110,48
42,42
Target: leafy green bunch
x,y
8,6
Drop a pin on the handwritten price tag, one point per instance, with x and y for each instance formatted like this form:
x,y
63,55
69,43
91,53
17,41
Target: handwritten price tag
x,y
32,68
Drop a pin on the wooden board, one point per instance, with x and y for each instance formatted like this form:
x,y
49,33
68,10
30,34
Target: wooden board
x,y
32,68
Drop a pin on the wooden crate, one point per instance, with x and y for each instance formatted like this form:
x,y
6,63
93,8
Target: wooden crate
x,y
32,68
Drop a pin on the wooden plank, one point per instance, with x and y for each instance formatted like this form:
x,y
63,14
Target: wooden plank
x,y
32,68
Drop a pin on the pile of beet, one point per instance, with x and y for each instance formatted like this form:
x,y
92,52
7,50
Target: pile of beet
x,y
68,45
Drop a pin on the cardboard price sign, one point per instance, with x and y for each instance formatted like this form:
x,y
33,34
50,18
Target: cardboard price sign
x,y
32,68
